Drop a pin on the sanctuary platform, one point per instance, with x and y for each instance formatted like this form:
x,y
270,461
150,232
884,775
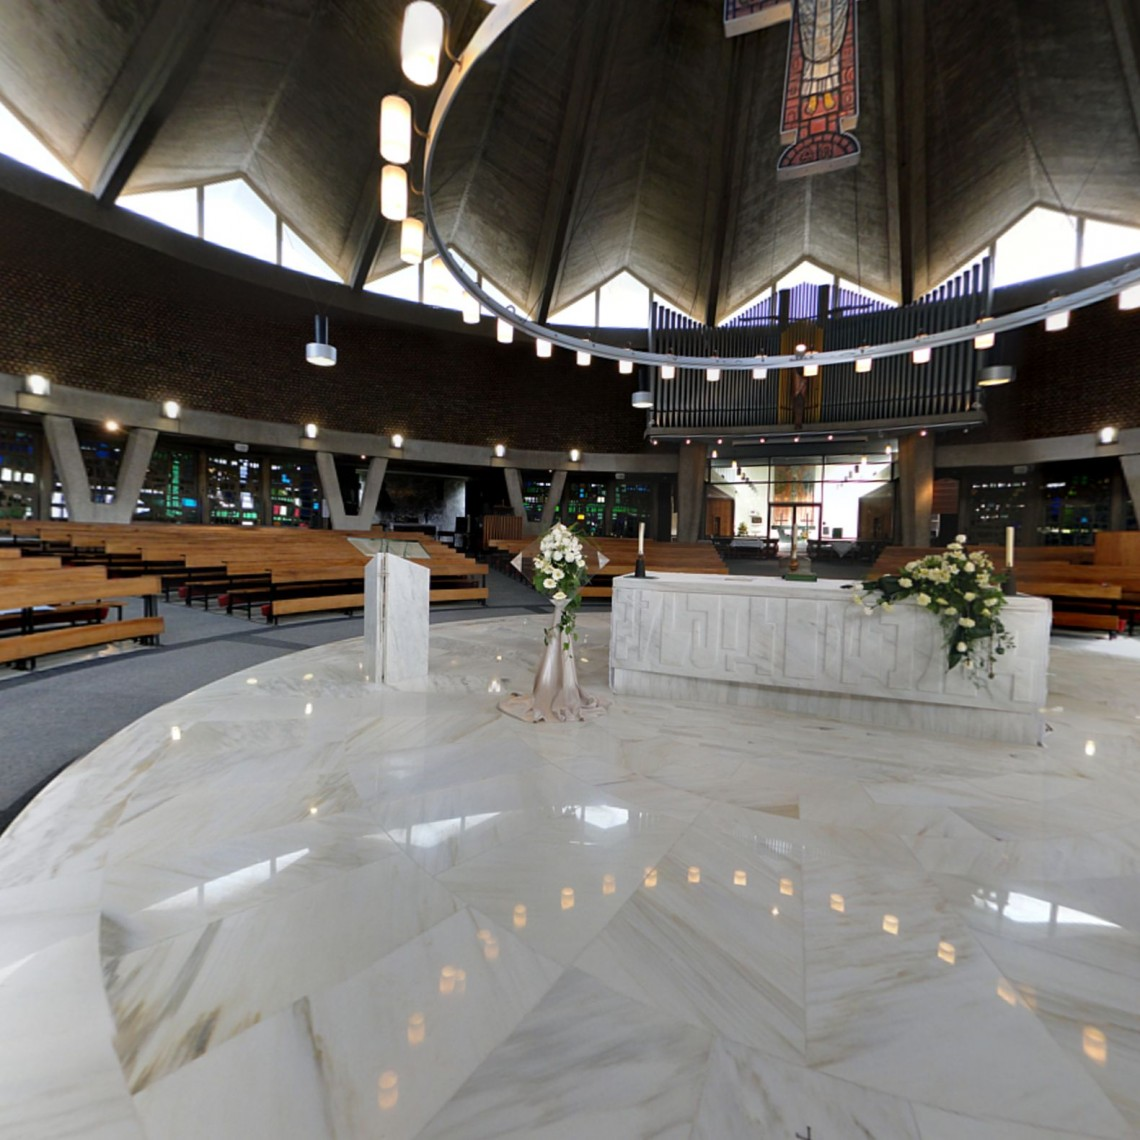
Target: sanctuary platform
x,y
294,905
804,647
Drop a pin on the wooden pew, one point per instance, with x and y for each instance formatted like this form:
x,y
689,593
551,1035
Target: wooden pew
x,y
81,588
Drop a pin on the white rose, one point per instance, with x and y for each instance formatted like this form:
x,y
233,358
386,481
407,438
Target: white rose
x,y
558,556
940,601
906,583
557,575
581,561
959,538
923,599
990,602
970,596
961,647
950,611
887,606
970,568
857,599
966,623
549,584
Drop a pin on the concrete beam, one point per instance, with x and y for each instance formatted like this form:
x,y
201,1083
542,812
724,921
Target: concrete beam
x,y
691,491
553,498
513,476
331,493
161,64
68,459
916,488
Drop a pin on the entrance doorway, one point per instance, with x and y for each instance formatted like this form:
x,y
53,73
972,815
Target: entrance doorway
x,y
801,519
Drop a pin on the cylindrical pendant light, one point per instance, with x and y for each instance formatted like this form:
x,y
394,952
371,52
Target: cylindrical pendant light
x,y
543,348
1055,322
625,367
421,42
642,400
811,369
395,130
504,331
583,359
712,375
412,241
759,373
862,364
668,371
319,351
394,193
920,356
470,310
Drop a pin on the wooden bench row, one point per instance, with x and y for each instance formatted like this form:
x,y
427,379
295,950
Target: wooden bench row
x,y
53,609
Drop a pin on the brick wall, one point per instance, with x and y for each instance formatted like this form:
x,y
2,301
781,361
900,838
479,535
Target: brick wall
x,y
1071,382
93,310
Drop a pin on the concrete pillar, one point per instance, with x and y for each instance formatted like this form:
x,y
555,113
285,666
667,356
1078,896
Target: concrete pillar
x,y
691,467
513,477
916,488
330,491
68,460
1130,465
553,498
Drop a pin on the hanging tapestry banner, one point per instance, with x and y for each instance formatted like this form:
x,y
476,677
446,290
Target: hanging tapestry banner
x,y
821,81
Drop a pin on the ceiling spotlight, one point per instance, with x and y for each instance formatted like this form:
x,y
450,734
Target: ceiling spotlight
x,y
583,359
996,374
504,331
411,241
37,385
543,348
668,371
500,450
395,130
470,310
625,367
318,351
920,355
310,431
397,440
862,364
421,43
394,192
575,455
1130,298
1107,435
1055,322
759,373
111,425
171,409
642,399
801,349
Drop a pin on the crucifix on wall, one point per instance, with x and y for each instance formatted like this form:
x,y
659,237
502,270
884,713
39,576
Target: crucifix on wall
x,y
821,83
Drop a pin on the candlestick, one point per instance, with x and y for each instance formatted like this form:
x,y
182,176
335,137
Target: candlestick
x,y
1009,548
641,540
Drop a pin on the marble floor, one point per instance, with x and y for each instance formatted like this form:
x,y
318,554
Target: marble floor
x,y
293,905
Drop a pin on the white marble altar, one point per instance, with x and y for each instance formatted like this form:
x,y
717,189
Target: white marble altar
x,y
296,906
396,597
804,647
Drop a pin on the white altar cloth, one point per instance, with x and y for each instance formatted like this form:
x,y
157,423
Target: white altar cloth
x,y
803,647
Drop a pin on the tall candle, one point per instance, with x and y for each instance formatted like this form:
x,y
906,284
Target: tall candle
x,y
641,540
1009,547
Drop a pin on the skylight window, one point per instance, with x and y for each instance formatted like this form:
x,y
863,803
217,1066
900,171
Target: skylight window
x,y
404,284
236,217
297,254
1044,242
1104,241
583,312
177,209
623,303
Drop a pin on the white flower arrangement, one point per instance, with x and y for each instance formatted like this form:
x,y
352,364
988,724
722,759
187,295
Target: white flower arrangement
x,y
560,573
959,588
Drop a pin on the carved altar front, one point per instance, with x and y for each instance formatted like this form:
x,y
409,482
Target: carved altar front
x,y
803,647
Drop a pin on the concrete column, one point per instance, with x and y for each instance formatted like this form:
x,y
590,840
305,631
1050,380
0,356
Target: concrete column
x,y
68,460
916,488
1130,465
553,498
513,477
691,467
330,491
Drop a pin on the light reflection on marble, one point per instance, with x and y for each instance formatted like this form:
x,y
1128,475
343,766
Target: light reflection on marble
x,y
329,908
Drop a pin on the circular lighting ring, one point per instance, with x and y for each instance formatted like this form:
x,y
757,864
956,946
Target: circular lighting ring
x,y
496,23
